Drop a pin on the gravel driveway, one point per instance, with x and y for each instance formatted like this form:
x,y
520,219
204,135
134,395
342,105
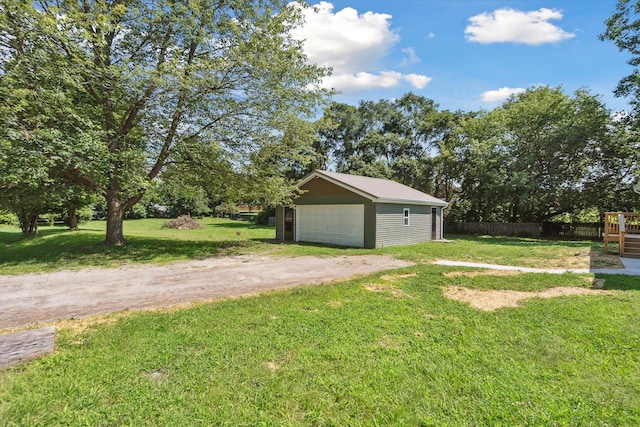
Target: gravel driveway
x,y
46,297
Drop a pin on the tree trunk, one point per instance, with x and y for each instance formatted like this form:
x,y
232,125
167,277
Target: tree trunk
x,y
115,219
28,221
72,217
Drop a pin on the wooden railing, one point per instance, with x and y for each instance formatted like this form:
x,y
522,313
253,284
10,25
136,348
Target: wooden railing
x,y
632,223
617,225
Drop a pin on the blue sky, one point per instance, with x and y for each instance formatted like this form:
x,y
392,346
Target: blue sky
x,y
464,54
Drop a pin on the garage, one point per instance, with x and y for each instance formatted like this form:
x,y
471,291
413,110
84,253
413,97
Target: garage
x,y
358,211
335,224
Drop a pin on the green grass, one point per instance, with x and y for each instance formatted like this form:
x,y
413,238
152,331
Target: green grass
x,y
341,354
377,350
57,248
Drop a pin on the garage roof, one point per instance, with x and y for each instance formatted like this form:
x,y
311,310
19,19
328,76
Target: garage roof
x,y
377,190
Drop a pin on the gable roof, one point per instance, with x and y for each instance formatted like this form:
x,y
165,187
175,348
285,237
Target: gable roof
x,y
377,190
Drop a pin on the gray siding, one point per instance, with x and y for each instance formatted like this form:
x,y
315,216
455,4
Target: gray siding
x,y
390,230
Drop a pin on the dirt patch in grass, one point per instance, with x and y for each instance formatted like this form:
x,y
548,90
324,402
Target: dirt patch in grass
x,y
390,277
591,259
482,273
376,287
496,299
387,287
82,325
570,259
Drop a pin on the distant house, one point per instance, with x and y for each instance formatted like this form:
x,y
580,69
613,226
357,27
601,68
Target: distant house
x,y
358,211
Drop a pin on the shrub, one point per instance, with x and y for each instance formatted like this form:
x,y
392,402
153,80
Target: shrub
x,y
184,222
263,217
227,210
138,211
84,214
8,218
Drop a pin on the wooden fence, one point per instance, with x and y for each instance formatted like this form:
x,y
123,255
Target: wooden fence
x,y
586,231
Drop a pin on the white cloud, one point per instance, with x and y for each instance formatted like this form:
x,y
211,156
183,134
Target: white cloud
x,y
363,80
501,94
510,25
353,44
411,58
417,80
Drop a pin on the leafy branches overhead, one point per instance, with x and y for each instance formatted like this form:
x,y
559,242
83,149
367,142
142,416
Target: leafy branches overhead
x,y
144,78
623,28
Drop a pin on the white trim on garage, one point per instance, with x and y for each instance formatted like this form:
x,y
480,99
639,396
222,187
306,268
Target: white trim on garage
x,y
333,224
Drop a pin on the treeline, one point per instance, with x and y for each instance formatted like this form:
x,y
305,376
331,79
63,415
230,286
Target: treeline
x,y
541,155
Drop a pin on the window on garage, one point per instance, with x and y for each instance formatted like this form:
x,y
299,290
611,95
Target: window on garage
x,y
405,217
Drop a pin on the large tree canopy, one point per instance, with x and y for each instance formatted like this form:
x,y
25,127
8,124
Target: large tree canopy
x,y
131,85
388,139
532,158
541,154
623,28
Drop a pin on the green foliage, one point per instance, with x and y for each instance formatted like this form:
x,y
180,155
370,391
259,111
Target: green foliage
x,y
85,214
137,211
183,198
8,218
541,154
227,209
554,138
123,90
263,216
623,28
387,139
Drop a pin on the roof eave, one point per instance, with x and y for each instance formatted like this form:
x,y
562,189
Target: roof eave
x,y
412,202
371,197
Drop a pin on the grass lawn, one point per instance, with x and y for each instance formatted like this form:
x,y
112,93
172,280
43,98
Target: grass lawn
x,y
56,248
386,349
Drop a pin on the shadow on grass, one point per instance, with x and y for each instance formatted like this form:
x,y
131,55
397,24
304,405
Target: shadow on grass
x,y
13,237
598,258
241,224
55,250
290,243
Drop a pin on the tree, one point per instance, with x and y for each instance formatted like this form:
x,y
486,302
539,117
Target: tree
x,y
554,139
534,157
615,168
387,139
623,28
141,79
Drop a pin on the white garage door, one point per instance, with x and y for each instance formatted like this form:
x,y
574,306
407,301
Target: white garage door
x,y
335,224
